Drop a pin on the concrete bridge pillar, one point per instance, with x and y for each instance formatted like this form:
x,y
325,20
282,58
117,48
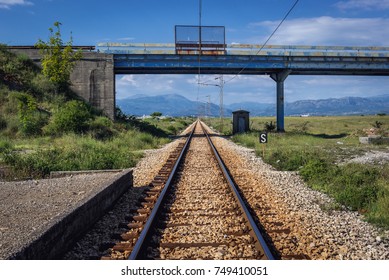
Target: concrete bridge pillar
x,y
279,78
93,79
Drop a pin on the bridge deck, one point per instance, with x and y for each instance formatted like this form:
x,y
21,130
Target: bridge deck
x,y
254,59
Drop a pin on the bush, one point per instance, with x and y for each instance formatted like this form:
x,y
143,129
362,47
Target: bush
x,y
100,128
270,126
5,146
379,212
3,123
42,86
31,120
72,117
172,129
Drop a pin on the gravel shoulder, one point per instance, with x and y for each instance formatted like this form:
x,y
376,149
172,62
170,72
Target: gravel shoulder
x,y
317,229
372,157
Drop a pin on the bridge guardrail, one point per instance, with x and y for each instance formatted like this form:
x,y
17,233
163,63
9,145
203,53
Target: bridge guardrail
x,y
250,50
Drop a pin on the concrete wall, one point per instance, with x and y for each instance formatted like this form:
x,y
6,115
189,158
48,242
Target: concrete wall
x,y
93,79
61,236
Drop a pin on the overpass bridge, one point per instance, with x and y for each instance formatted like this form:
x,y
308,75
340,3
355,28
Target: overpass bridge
x,y
94,76
274,60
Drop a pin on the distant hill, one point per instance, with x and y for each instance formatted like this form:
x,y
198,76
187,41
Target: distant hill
x,y
169,105
177,105
327,107
340,106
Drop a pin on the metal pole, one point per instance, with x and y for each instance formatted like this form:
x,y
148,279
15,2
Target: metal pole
x,y
221,102
279,78
200,8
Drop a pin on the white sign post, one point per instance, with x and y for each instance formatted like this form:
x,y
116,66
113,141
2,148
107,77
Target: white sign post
x,y
263,140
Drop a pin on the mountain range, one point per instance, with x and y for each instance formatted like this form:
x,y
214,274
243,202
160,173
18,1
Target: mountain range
x,y
177,105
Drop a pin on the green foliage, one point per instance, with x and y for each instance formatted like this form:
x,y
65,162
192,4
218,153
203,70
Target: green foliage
x,y
172,129
119,115
31,121
42,86
156,114
3,123
270,126
73,116
16,71
356,186
72,152
5,146
100,128
246,139
379,211
377,124
58,59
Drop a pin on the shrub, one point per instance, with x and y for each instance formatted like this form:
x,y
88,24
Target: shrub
x,y
100,128
72,117
3,123
172,129
5,146
379,212
42,86
30,119
269,126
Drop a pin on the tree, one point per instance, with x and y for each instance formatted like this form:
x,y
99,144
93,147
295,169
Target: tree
x,y
58,59
156,114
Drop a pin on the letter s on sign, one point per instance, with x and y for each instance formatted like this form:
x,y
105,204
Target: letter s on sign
x,y
263,137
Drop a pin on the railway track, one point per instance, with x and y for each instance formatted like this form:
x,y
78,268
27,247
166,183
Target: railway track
x,y
192,210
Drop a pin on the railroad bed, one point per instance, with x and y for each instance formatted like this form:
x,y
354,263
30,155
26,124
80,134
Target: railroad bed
x,y
200,218
296,219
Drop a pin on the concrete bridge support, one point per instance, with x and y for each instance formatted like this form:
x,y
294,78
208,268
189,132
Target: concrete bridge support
x,y
93,79
279,78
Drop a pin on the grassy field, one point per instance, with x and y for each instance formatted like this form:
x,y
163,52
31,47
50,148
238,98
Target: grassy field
x,y
320,149
118,145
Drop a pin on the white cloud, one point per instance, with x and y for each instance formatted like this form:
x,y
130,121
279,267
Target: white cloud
x,y
127,80
363,5
6,4
129,85
126,39
329,31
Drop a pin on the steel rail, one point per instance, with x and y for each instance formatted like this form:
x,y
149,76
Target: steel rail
x,y
150,221
256,232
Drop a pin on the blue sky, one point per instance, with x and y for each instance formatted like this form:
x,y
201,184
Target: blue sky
x,y
312,22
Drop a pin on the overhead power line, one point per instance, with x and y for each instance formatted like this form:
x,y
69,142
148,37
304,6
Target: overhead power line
x,y
264,44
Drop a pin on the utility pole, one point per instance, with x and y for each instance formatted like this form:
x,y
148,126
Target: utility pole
x,y
221,86
208,106
221,93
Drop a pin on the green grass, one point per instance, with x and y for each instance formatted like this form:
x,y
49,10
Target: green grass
x,y
74,152
319,149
